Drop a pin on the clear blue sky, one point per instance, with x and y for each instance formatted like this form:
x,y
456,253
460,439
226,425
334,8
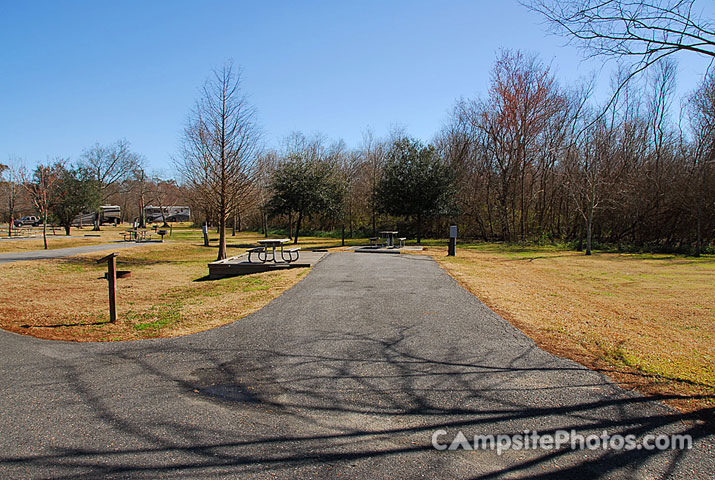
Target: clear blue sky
x,y
73,73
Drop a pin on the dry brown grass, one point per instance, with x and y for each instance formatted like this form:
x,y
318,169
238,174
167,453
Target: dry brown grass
x,y
78,238
645,320
66,299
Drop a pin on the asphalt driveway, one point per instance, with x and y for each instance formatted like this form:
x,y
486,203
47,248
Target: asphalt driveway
x,y
65,252
348,374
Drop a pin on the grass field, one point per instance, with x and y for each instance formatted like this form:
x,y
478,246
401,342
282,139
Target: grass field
x,y
648,321
78,238
166,294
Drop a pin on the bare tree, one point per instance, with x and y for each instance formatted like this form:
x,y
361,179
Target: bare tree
x,y
642,29
220,147
587,178
12,185
3,183
265,168
640,32
523,101
165,193
110,165
350,166
373,153
662,85
703,123
142,188
39,186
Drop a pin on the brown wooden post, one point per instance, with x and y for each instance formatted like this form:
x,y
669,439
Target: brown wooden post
x,y
111,260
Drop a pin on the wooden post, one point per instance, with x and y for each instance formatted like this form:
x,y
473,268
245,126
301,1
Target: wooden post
x,y
111,260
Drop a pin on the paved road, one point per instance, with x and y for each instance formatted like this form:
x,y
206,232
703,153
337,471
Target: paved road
x,y
65,252
346,375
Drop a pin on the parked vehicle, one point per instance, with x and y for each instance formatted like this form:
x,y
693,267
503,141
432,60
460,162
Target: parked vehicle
x,y
107,214
110,214
172,213
28,220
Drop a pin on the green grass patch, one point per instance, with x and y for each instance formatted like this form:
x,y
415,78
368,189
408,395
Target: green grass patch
x,y
71,267
159,317
168,311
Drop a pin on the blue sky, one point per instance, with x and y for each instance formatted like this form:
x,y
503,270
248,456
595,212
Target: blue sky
x,y
73,73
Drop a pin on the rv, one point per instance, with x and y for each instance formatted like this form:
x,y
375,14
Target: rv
x,y
171,213
107,214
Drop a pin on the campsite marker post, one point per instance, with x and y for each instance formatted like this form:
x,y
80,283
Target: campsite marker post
x,y
205,231
111,260
452,241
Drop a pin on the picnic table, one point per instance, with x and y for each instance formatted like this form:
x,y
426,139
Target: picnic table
x,y
267,251
388,238
137,235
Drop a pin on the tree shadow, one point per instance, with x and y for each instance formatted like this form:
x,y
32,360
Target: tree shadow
x,y
58,325
337,403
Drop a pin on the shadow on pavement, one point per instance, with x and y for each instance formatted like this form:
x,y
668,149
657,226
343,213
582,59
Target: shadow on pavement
x,y
368,410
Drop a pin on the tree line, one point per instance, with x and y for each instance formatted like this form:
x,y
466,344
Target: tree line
x,y
540,161
59,190
531,160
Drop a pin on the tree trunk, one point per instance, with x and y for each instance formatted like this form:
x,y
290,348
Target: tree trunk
x,y
350,213
480,223
142,214
67,229
419,229
589,228
522,222
44,227
9,226
698,227
488,200
297,227
343,235
222,237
